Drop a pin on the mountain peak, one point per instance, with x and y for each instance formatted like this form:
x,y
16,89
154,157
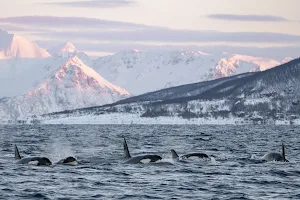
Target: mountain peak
x,y
13,46
69,84
242,63
65,49
193,53
80,72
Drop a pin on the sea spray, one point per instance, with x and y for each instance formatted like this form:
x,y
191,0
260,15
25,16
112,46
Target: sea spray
x,y
60,148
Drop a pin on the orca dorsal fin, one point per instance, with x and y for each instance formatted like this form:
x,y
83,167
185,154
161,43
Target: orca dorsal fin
x,y
283,152
126,154
17,154
174,154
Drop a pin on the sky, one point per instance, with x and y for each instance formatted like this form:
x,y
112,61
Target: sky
x,y
107,26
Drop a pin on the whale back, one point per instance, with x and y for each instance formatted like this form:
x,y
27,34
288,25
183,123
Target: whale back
x,y
143,159
17,154
274,156
174,154
43,161
195,155
68,161
126,154
37,161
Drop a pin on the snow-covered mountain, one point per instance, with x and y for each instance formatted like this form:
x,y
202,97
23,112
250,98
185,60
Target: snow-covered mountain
x,y
64,50
140,72
67,50
68,86
19,76
237,64
13,46
37,82
266,97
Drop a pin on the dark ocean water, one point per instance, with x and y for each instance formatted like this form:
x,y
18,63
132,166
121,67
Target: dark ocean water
x,y
234,172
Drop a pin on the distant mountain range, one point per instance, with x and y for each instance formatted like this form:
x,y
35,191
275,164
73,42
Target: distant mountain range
x,y
35,81
140,72
260,97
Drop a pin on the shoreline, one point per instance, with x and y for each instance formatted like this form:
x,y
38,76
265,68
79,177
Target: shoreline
x,y
127,119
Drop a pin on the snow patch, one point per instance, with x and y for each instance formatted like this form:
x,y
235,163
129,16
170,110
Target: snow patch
x,y
122,118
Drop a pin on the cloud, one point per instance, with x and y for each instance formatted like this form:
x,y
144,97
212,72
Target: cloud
x,y
95,3
256,18
10,27
170,35
92,29
65,22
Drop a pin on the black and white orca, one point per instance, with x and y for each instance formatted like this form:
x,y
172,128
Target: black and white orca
x,y
68,161
274,156
188,156
148,158
37,161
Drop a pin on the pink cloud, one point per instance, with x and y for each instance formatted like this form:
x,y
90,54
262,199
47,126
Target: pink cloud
x,y
95,3
257,18
69,22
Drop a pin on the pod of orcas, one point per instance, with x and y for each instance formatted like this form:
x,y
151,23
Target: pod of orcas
x,y
143,159
152,158
42,161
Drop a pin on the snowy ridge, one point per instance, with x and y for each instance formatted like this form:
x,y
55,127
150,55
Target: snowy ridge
x,y
88,72
35,83
13,46
241,64
72,85
266,97
132,68
25,74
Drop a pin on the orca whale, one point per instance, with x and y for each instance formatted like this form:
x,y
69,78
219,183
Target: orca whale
x,y
274,156
149,158
68,161
37,161
188,156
